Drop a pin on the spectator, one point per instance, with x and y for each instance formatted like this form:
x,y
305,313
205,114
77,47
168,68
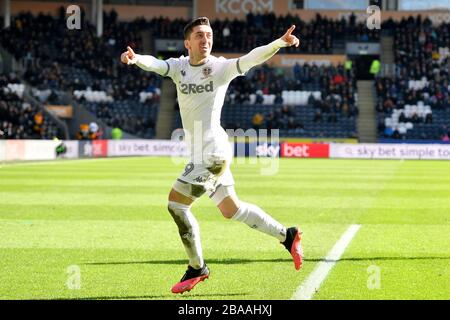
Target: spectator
x,y
225,32
332,117
388,132
293,124
286,111
375,67
94,131
445,138
318,116
278,99
257,121
116,133
83,133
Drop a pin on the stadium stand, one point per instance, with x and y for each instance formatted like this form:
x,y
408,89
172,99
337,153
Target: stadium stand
x,y
241,36
319,101
86,66
415,102
20,119
305,101
318,36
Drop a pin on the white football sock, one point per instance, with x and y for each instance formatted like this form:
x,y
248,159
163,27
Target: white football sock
x,y
256,218
189,232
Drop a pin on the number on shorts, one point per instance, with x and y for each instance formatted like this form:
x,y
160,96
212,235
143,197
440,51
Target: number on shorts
x,y
188,169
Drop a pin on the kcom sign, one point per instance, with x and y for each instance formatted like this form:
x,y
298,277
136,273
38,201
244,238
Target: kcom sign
x,y
237,7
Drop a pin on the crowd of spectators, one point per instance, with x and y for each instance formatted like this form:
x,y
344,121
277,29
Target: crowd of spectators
x,y
258,29
422,75
127,122
20,119
283,118
317,36
56,58
330,114
46,45
336,84
91,131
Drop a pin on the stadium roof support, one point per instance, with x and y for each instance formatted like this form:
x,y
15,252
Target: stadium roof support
x,y
97,16
93,12
390,5
99,20
6,13
194,9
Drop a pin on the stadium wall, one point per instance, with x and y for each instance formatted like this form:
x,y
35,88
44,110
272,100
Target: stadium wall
x,y
391,151
32,150
20,150
2,150
146,147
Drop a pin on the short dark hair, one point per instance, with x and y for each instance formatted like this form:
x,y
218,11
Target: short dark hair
x,y
196,22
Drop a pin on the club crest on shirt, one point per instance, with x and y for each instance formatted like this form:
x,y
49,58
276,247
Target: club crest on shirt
x,y
206,72
183,73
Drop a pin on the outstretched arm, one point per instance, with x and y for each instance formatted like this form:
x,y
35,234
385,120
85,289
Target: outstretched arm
x,y
262,54
145,62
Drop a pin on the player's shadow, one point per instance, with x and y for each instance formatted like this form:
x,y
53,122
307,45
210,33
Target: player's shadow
x,y
183,262
159,297
247,261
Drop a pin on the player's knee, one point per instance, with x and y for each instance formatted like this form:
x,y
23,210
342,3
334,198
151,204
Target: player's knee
x,y
228,214
229,204
228,207
179,212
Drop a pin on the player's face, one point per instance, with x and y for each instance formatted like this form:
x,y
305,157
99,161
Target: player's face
x,y
201,41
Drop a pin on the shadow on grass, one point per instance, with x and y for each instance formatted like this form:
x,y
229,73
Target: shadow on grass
x,y
185,261
167,296
246,261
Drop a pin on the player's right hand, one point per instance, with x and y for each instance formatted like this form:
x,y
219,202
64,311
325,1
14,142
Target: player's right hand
x,y
128,57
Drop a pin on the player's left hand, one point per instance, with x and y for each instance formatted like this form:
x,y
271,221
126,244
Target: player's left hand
x,y
291,39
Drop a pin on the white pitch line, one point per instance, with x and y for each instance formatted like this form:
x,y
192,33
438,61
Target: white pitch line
x,y
312,284
51,162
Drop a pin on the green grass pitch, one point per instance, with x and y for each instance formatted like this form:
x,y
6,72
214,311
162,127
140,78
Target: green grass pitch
x,y
108,218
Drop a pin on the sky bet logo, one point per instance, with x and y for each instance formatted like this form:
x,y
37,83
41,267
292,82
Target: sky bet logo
x,y
188,88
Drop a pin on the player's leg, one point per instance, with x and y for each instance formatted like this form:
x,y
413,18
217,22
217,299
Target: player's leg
x,y
228,203
181,197
191,185
256,218
179,207
250,214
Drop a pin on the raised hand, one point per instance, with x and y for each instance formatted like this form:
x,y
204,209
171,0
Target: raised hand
x,y
291,39
128,57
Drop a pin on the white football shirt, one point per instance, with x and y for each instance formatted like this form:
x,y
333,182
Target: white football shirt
x,y
201,92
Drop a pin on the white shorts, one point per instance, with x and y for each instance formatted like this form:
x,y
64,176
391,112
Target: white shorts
x,y
198,179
